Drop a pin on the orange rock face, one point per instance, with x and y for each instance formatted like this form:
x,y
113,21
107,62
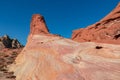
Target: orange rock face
x,y
47,57
106,30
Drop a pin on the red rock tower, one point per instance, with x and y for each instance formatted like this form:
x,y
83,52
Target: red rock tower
x,y
38,25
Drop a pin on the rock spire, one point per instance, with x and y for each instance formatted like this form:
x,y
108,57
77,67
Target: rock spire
x,y
38,25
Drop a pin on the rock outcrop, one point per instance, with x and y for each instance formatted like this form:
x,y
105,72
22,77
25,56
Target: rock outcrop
x,y
47,57
7,42
106,30
38,25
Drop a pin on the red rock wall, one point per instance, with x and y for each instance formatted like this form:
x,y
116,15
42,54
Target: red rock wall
x,y
107,30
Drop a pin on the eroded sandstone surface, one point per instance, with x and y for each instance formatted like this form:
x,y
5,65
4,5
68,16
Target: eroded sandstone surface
x,y
50,57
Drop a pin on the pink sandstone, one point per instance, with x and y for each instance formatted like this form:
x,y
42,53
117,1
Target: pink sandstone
x,y
50,57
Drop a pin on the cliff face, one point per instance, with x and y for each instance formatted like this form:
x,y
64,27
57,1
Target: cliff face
x,y
50,57
107,30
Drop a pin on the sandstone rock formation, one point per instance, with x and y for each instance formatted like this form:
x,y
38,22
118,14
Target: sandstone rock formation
x,y
106,30
49,57
7,42
38,25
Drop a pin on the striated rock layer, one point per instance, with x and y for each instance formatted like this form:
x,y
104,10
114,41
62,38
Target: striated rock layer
x,y
50,57
106,30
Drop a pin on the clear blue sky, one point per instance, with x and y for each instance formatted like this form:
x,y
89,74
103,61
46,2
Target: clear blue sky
x,y
62,16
